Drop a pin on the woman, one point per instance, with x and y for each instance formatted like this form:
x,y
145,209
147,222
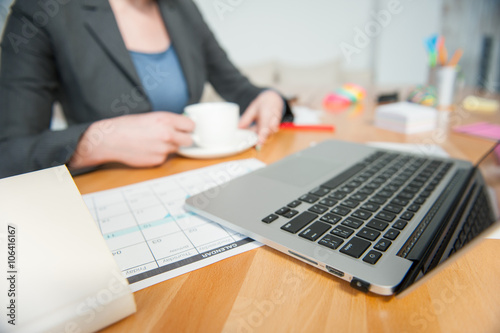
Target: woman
x,y
109,64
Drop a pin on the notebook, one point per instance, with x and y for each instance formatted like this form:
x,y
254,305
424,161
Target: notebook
x,y
59,275
377,218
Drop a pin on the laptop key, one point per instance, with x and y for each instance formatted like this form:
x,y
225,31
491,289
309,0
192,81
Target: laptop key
x,y
354,183
362,214
282,211
391,234
412,189
393,208
269,218
331,241
416,183
337,195
352,222
425,194
419,200
406,195
320,191
382,245
318,209
377,224
407,216
341,210
430,188
368,233
341,231
372,257
399,224
330,218
358,196
378,200
291,213
386,216
414,208
371,207
328,202
349,203
309,198
299,222
355,247
400,201
294,203
314,231
366,190
344,176
391,188
346,189
385,194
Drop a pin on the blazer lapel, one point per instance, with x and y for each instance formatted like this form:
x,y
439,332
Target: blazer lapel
x,y
101,23
182,43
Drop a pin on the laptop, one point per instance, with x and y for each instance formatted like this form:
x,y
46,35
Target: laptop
x,y
377,218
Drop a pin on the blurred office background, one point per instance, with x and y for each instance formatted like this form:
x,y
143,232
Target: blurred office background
x,y
316,45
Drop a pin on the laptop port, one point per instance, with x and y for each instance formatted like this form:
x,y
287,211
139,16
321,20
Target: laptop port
x,y
334,271
303,258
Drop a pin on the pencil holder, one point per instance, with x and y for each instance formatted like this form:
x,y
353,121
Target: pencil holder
x,y
446,78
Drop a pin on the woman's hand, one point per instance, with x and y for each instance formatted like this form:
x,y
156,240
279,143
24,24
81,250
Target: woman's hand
x,y
266,110
139,140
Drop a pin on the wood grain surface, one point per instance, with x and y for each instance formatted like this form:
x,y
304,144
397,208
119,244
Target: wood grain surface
x,y
264,290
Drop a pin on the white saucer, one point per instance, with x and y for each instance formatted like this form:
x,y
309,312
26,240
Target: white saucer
x,y
243,140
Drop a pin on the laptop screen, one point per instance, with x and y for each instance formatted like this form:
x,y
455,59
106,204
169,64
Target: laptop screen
x,y
481,214
489,166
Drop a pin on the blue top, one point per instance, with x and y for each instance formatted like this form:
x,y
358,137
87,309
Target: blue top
x,y
163,80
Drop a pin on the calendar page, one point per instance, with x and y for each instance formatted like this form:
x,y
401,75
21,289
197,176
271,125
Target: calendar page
x,y
152,237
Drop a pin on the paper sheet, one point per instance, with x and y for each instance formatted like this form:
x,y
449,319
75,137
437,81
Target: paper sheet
x,y
153,238
306,116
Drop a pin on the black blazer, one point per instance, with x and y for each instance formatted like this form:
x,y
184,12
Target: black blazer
x,y
74,53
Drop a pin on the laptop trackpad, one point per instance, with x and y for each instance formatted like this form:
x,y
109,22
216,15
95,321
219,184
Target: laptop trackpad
x,y
301,171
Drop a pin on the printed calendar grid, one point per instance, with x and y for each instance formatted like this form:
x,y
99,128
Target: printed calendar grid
x,y
148,231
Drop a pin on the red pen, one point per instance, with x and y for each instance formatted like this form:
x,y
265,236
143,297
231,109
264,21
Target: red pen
x,y
292,126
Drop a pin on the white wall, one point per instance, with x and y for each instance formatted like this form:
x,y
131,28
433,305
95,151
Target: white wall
x,y
293,31
315,31
400,55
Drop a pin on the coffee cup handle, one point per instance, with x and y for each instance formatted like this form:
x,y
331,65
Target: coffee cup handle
x,y
196,139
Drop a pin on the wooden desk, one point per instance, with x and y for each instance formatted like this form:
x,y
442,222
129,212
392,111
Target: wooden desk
x,y
266,291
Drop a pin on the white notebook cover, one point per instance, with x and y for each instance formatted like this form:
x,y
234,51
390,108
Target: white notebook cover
x,y
55,266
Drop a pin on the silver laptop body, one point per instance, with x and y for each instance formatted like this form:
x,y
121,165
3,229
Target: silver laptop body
x,y
364,214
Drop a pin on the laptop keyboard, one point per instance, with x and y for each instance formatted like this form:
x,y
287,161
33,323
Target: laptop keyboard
x,y
361,211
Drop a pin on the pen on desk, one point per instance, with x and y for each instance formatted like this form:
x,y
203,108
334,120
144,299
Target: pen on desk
x,y
322,127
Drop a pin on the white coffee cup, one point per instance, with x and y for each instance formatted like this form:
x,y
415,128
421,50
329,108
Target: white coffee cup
x,y
215,123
